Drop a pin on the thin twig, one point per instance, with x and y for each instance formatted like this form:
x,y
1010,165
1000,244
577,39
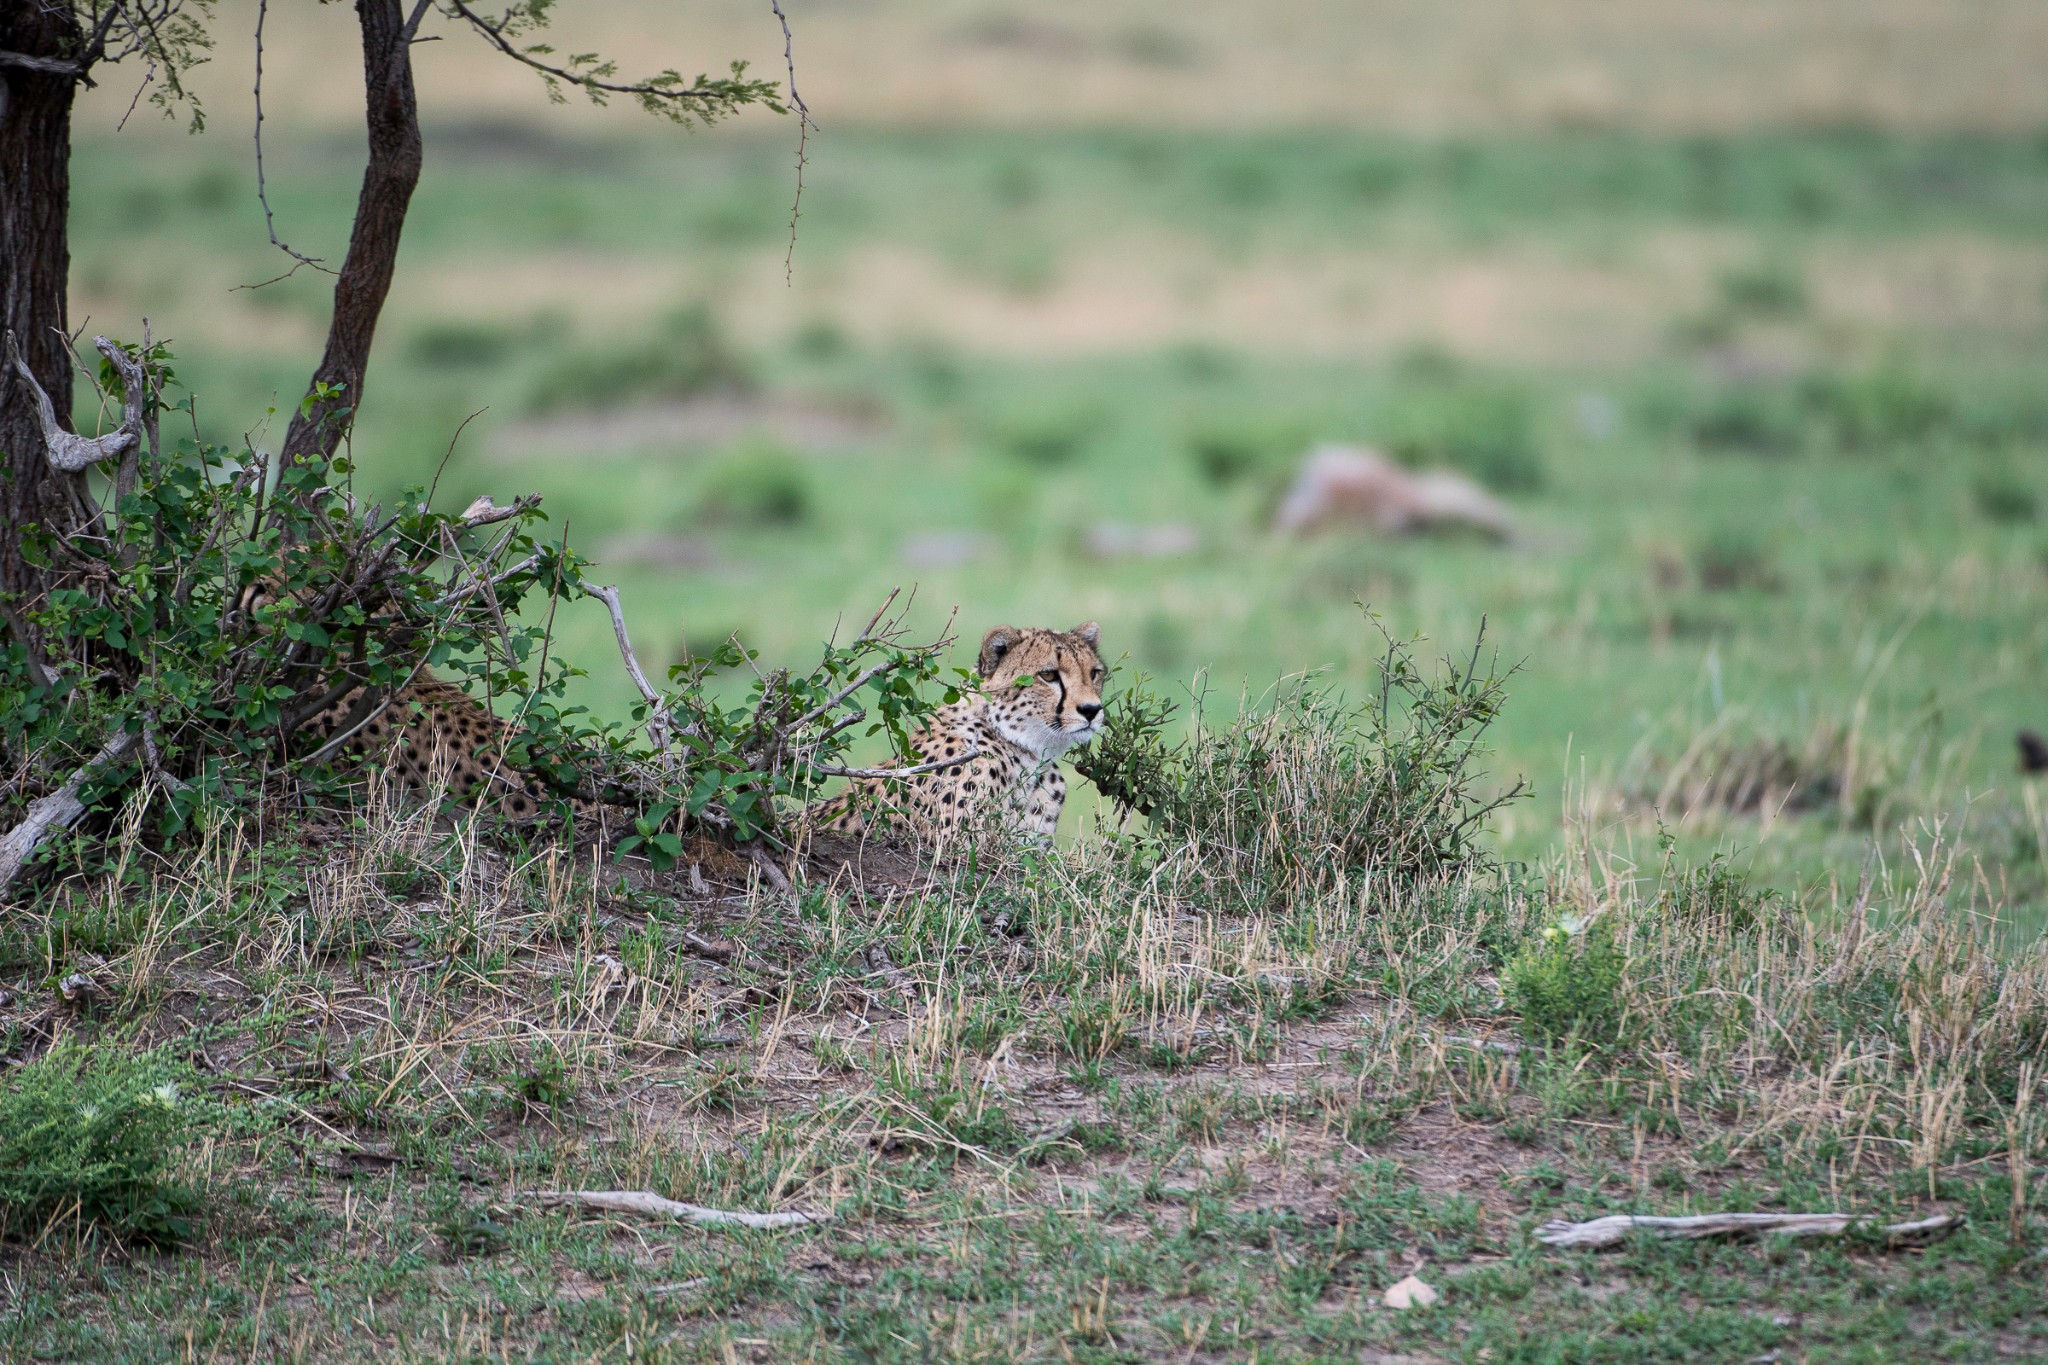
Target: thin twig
x,y
929,767
804,124
644,90
148,77
262,195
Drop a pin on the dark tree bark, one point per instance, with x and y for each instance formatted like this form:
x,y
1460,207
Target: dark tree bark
x,y
35,261
392,112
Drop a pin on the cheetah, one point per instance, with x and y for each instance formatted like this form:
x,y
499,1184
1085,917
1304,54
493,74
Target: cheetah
x,y
1041,696
430,738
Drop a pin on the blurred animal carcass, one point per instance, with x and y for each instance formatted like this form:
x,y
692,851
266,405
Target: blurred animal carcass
x,y
1342,485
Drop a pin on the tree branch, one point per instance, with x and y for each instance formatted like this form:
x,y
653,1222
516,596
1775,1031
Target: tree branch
x,y
390,174
49,66
648,1203
657,721
667,88
69,452
930,766
51,814
1615,1228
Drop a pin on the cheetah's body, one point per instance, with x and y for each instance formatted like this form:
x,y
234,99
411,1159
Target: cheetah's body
x,y
431,739
1042,696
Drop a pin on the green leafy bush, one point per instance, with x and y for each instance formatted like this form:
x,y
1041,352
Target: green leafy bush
x,y
1227,454
92,1135
1568,983
218,605
1306,787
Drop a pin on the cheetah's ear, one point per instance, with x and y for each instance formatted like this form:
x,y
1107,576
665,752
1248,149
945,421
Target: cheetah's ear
x,y
994,646
1087,630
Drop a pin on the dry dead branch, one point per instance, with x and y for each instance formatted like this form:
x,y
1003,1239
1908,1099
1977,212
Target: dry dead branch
x,y
69,452
50,814
1615,1228
657,721
649,1204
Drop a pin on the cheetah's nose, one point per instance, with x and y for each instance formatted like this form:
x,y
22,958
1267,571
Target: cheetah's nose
x,y
1090,710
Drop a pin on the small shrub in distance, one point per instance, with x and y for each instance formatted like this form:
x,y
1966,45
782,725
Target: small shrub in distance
x,y
93,1135
761,487
1048,440
1878,407
461,345
1567,983
2002,493
1732,558
1749,419
689,355
1229,454
1770,289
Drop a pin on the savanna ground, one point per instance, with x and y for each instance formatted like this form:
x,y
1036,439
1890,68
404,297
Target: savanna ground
x,y
1744,318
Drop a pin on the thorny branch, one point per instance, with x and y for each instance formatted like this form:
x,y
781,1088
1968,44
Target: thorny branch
x,y
262,193
804,124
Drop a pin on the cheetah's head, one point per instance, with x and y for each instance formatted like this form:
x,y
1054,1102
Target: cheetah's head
x,y
1044,686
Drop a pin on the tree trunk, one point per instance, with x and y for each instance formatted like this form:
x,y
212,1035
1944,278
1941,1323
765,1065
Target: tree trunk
x,y
35,261
393,170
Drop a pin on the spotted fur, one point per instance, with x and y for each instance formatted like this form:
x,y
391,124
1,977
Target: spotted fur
x,y
431,739
1041,695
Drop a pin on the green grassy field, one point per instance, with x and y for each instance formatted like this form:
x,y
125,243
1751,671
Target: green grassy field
x,y
1766,410
1763,396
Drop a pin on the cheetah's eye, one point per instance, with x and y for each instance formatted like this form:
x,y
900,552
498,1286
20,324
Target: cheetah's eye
x,y
1096,676
1049,674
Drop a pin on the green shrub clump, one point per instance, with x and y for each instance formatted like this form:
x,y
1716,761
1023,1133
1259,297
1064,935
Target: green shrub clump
x,y
761,487
690,355
1567,984
1308,790
93,1135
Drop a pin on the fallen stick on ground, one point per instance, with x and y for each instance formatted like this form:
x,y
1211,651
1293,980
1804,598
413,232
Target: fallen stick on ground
x,y
654,1206
1615,1228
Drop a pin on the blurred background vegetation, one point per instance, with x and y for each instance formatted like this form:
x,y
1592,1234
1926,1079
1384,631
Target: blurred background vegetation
x,y
1741,307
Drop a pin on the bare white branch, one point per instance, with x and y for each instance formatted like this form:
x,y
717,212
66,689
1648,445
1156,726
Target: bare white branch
x,y
50,814
652,1205
1615,1228
657,718
69,452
